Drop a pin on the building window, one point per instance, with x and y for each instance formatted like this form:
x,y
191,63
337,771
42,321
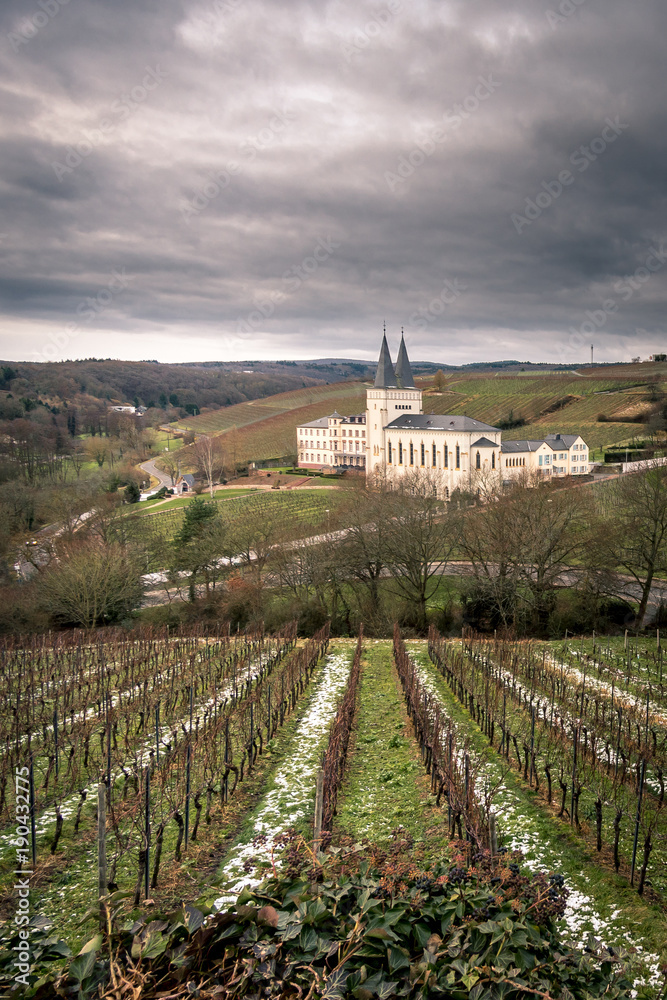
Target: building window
x,y
423,455
478,461
389,455
493,459
400,453
412,454
446,456
433,455
458,457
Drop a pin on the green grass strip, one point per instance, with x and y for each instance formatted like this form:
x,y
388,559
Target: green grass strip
x,y
601,902
386,785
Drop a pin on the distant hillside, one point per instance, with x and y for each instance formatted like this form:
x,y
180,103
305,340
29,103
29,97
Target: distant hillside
x,y
147,383
265,428
526,404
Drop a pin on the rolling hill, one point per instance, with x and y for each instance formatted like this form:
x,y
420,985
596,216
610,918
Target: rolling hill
x,y
564,401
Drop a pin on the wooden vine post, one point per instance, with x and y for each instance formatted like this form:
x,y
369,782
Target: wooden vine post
x,y
319,804
102,852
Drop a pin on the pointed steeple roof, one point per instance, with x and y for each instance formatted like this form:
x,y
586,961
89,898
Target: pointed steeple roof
x,y
385,377
404,375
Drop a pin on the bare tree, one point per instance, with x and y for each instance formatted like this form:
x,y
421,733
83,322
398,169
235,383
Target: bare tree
x,y
549,524
488,542
252,539
422,533
91,584
98,449
638,529
210,458
363,550
169,463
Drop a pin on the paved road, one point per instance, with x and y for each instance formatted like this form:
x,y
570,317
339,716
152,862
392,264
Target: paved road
x,y
625,587
151,469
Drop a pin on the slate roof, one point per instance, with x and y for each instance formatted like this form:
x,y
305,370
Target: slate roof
x,y
438,422
484,443
512,447
404,376
385,377
320,422
188,478
561,441
557,442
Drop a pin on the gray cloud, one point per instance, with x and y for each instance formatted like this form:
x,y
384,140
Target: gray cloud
x,y
206,148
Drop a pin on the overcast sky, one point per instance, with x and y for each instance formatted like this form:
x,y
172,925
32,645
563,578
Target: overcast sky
x,y
231,179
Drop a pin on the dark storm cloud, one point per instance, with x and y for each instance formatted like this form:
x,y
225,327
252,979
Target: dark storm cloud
x,y
277,178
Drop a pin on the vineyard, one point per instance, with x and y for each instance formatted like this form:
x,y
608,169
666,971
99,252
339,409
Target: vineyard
x,y
350,394
548,403
309,511
156,769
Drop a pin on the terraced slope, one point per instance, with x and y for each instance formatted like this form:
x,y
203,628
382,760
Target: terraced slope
x,y
569,403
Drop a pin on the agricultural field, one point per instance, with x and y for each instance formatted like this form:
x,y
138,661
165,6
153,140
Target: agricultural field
x,y
346,394
295,512
548,403
178,769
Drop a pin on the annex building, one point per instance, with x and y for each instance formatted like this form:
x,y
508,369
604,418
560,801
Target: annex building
x,y
394,437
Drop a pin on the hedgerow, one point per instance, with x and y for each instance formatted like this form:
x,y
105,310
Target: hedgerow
x,y
359,921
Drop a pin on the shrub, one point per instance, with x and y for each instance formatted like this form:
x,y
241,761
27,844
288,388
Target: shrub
x,y
362,923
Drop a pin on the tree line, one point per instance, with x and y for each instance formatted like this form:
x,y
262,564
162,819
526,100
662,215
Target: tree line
x,y
532,560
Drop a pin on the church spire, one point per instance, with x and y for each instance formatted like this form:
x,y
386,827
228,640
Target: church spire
x,y
404,376
385,377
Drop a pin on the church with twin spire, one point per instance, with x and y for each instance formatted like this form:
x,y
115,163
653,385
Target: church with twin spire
x,y
394,437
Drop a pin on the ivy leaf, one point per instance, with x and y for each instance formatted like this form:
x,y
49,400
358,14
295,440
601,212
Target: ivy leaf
x,y
308,939
93,945
397,959
192,918
386,989
156,945
82,966
335,985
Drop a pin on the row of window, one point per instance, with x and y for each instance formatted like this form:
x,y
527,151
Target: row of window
x,y
335,433
391,454
315,458
509,462
547,458
323,444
